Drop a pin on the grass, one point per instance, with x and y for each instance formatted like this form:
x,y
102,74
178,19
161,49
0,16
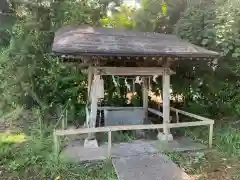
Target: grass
x,y
31,157
219,164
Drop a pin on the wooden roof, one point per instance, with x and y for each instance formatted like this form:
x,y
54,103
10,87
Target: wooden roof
x,y
90,41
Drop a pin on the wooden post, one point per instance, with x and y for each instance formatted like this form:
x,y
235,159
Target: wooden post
x,y
109,143
90,77
166,101
177,116
56,144
210,135
145,97
64,119
63,123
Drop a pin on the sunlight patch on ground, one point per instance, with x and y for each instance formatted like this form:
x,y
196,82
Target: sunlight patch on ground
x,y
6,137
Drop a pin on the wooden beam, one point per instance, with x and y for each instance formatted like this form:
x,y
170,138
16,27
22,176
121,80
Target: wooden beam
x,y
130,71
117,108
129,127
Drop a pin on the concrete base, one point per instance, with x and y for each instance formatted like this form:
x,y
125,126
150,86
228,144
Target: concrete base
x,y
76,152
90,143
140,133
163,137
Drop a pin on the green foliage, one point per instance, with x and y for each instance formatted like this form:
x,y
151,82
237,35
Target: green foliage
x,y
158,16
30,75
215,26
121,18
226,138
34,159
7,18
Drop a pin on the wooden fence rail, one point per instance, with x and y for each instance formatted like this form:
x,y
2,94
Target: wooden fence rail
x,y
110,129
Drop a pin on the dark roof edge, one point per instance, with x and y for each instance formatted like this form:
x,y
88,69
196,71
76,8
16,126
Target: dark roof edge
x,y
187,55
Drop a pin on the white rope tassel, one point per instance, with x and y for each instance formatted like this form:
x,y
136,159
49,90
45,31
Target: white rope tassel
x,y
127,85
114,81
155,78
138,80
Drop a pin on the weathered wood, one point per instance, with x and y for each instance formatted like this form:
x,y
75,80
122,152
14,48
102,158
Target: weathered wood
x,y
130,71
87,40
56,143
109,143
116,108
159,113
155,112
130,127
133,86
64,119
90,78
210,135
191,115
177,116
145,96
166,101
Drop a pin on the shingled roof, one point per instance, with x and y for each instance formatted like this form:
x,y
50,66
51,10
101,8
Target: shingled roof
x,y
86,40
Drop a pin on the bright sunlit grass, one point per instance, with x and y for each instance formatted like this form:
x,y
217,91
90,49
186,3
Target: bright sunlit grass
x,y
7,137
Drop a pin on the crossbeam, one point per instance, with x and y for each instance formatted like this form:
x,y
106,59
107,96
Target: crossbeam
x,y
131,71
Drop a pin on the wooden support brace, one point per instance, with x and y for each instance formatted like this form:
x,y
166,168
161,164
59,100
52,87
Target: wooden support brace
x,y
177,116
160,114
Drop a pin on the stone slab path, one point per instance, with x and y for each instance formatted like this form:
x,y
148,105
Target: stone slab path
x,y
148,167
138,159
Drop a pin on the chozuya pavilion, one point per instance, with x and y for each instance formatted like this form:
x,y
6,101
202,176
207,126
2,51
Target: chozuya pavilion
x,y
114,52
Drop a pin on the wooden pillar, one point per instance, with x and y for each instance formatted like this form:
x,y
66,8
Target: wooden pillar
x,y
90,78
145,96
166,101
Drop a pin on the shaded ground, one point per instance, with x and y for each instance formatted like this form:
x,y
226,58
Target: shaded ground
x,y
30,157
207,166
